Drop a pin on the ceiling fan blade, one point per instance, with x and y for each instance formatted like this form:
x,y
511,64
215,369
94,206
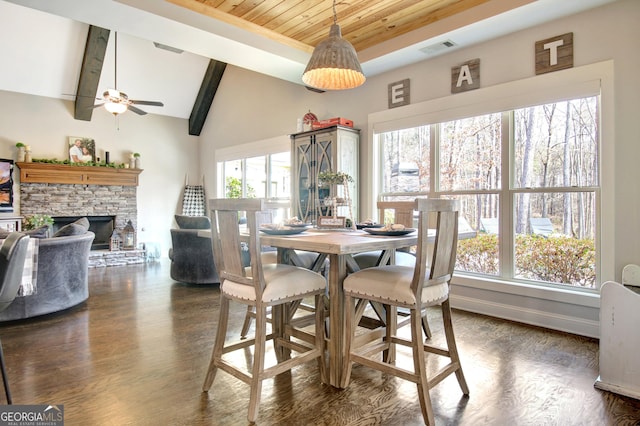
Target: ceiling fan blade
x,y
96,106
137,110
151,103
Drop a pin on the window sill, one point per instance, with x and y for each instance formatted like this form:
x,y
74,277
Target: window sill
x,y
588,298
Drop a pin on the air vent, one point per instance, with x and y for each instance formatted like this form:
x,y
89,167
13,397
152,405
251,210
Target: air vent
x,y
438,47
169,48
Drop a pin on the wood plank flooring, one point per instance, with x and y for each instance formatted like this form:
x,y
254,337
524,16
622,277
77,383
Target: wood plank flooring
x,y
136,354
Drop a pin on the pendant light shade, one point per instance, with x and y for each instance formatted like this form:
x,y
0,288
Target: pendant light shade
x,y
334,64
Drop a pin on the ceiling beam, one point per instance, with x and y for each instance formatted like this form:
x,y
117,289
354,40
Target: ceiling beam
x,y
92,62
207,92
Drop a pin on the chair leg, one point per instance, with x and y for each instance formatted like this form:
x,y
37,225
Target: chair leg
x,y
7,391
319,341
219,343
420,367
389,355
247,322
258,363
425,325
451,345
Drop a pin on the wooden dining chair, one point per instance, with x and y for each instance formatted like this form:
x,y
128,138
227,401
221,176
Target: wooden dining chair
x,y
401,213
13,254
304,259
260,286
415,288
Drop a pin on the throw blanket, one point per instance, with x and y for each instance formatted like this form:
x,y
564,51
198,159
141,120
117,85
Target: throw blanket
x,y
30,271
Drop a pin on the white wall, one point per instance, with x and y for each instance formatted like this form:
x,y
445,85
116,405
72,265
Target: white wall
x,y
167,151
249,107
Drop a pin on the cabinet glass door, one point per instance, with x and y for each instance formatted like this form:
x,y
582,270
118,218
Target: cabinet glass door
x,y
304,161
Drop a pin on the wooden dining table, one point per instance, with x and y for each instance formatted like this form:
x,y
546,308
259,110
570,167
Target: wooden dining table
x,y
338,246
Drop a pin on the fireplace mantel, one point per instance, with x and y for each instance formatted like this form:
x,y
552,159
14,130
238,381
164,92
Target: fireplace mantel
x,y
83,175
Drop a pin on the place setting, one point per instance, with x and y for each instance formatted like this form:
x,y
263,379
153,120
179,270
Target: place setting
x,y
388,230
291,226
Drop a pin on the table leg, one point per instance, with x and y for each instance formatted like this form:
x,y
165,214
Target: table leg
x,y
337,327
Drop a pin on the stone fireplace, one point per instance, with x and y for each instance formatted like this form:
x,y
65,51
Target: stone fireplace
x,y
63,191
106,206
80,200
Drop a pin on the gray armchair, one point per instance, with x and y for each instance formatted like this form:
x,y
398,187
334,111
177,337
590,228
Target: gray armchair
x,y
191,256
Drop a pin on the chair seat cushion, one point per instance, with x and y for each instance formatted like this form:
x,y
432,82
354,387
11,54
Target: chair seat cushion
x,y
281,282
369,259
392,283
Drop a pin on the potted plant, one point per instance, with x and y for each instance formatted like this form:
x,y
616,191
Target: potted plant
x,y
37,221
329,177
136,157
21,151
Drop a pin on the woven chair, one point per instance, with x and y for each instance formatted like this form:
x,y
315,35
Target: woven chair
x,y
413,288
260,286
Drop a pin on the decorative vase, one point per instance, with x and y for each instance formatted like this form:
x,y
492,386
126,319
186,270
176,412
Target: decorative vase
x,y
27,156
137,163
132,162
21,154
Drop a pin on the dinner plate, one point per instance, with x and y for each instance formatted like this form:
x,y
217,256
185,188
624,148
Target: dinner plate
x,y
298,225
374,231
369,225
283,231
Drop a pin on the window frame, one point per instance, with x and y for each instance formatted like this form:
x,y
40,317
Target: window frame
x,y
594,79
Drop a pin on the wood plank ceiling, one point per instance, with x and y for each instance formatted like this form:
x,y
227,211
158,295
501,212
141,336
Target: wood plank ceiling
x,y
304,23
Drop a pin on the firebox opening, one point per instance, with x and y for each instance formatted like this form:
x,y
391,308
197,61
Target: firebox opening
x,y
102,226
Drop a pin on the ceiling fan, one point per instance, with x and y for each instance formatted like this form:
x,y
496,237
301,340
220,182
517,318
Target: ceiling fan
x,y
117,102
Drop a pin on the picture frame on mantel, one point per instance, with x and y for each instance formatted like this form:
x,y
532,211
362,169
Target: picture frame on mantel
x,y
6,185
81,149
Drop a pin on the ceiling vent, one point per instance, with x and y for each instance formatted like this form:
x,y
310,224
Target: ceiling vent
x,y
438,47
169,48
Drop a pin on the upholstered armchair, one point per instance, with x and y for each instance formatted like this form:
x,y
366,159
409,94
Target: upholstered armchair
x,y
191,255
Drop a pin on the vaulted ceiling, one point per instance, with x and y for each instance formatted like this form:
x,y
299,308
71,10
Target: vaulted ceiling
x,y
42,43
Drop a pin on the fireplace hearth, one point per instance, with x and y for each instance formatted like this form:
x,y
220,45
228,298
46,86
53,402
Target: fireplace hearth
x,y
102,226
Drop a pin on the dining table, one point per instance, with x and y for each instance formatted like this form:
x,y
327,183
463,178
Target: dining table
x,y
338,246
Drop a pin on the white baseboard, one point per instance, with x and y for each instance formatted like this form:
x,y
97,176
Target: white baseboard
x,y
579,326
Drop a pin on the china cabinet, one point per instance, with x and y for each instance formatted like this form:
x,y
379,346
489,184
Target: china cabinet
x,y
332,148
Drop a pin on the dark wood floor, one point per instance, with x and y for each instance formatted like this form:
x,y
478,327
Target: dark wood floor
x,y
137,351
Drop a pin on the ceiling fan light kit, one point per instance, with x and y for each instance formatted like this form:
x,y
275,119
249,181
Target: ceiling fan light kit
x,y
334,63
117,102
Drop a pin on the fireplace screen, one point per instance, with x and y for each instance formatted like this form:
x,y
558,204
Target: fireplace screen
x,y
102,226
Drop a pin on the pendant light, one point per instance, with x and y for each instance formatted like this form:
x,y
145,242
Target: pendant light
x,y
334,63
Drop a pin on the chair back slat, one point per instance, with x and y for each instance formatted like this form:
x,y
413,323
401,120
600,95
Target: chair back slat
x,y
435,260
228,242
402,211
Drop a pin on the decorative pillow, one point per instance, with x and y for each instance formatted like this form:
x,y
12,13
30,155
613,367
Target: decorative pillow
x,y
193,222
38,232
79,227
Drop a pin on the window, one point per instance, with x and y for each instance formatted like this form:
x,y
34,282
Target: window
x,y
528,182
266,176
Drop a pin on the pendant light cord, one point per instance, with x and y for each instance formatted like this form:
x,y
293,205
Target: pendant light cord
x,y
335,16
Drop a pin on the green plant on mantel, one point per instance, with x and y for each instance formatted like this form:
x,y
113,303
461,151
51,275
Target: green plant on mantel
x,y
37,220
136,154
20,145
329,178
69,163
